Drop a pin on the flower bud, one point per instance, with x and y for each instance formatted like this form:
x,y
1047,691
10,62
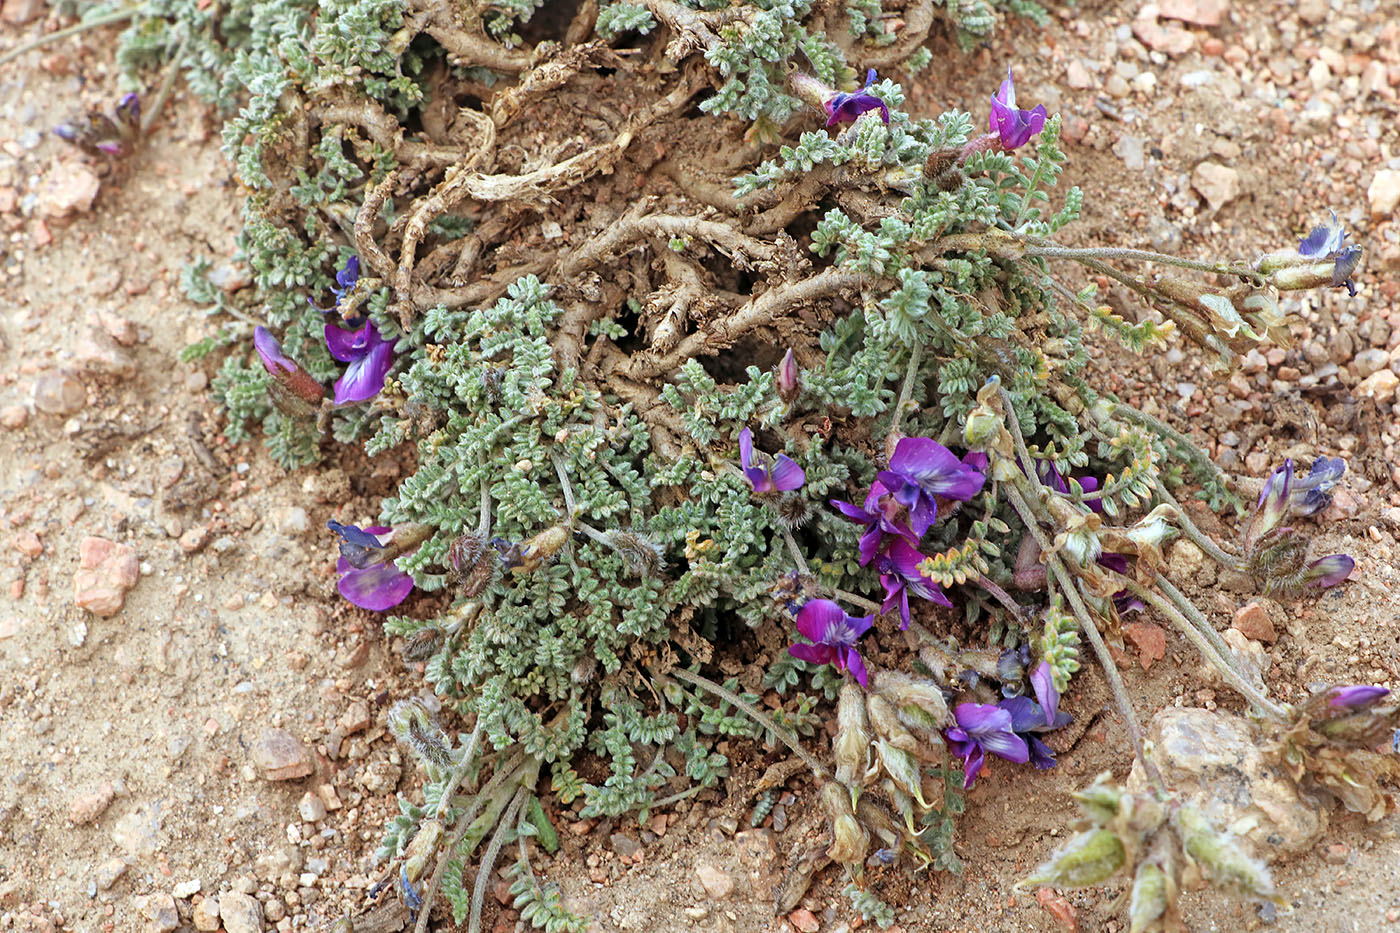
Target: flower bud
x,y
981,428
1088,858
414,727
423,644
850,841
473,565
851,747
809,90
789,381
641,556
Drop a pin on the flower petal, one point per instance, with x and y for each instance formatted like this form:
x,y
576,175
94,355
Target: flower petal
x,y
365,376
820,620
1006,745
377,588
357,547
1043,682
980,718
973,766
1041,755
1329,571
270,352
350,345
1357,697
855,664
812,654
786,474
746,449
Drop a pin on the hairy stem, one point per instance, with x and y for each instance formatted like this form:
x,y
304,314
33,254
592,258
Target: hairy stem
x,y
1198,537
1036,246
762,718
907,388
488,858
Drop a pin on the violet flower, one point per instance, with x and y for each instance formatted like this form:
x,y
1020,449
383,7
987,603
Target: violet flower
x,y
1029,719
1309,495
1324,243
1014,127
1123,600
833,634
781,475
881,515
984,728
370,357
1049,476
1043,683
789,381
1353,698
376,586
346,277
842,107
284,369
922,469
900,576
1328,571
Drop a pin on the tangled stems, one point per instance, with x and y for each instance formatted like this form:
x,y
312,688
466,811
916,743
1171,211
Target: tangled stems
x,y
1198,537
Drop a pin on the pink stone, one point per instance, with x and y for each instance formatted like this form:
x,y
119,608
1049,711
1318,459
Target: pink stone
x,y
109,569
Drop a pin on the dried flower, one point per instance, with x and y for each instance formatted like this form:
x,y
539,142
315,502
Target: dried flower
x,y
900,576
370,357
984,728
1308,495
1014,127
833,634
1325,243
922,469
781,475
881,515
1277,554
849,839
376,586
99,133
290,377
851,746
843,107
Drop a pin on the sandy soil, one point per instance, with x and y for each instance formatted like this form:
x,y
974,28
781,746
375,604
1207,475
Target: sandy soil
x,y
130,784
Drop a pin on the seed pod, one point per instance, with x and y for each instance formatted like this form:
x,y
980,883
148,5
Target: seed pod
x,y
423,644
1224,861
422,848
1088,858
904,690
903,769
473,565
641,556
851,746
850,841
1149,898
792,510
414,727
1101,800
884,719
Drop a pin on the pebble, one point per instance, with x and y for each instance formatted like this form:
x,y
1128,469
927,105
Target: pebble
x,y
281,756
108,571
20,12
291,520
59,392
1384,192
160,910
716,882
206,915
108,872
356,718
187,889
311,808
1212,761
1184,561
14,417
96,352
1078,76
1196,12
88,806
1368,361
380,776
1379,385
70,188
241,913
624,845
804,920
1169,40
1252,620
28,544
138,832
1218,184
1131,150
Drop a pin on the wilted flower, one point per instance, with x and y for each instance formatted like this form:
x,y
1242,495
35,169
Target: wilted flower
x,y
780,475
921,469
1276,553
370,357
1308,495
1014,127
984,728
287,372
1325,243
369,584
900,576
833,634
842,107
346,277
96,132
1355,698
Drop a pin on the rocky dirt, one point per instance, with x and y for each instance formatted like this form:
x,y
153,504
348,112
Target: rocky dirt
x,y
194,724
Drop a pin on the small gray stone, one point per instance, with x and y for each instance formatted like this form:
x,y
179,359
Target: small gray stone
x,y
138,832
624,845
715,881
241,913
109,871
1370,360
310,808
1212,761
1130,150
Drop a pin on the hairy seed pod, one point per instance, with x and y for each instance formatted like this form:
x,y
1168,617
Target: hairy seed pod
x,y
584,670
884,719
792,510
472,563
640,555
423,644
1224,861
904,690
1088,858
414,727
1149,898
1101,800
902,768
851,746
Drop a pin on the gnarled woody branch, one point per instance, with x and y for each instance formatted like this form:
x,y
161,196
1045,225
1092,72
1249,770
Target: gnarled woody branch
x,y
463,46
724,331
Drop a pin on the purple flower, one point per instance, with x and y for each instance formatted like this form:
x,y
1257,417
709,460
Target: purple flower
x,y
1123,600
922,469
789,382
370,357
984,728
842,107
1027,720
1015,127
881,515
1272,506
346,277
1325,242
1308,495
780,476
129,110
1355,697
1328,571
900,576
833,634
284,369
374,586
1049,476
1043,683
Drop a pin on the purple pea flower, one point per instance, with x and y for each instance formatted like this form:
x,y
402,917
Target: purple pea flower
x,y
1328,571
1028,719
1123,600
1355,698
984,728
781,475
842,107
346,278
1308,495
1014,127
900,576
370,357
922,469
789,381
1325,242
833,634
1049,476
284,369
881,515
1043,683
376,586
